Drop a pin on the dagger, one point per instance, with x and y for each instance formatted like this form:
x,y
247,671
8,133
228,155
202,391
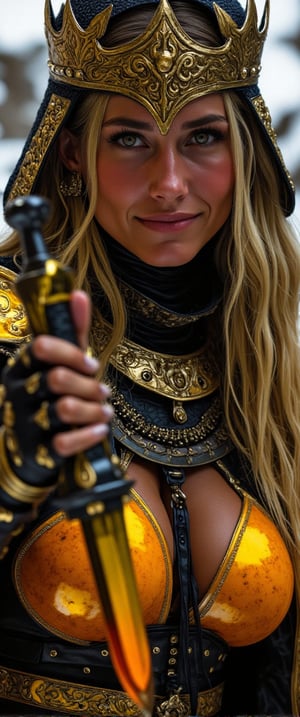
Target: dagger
x,y
44,286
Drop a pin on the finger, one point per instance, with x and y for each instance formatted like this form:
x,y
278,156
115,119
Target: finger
x,y
52,350
71,443
80,306
62,380
73,411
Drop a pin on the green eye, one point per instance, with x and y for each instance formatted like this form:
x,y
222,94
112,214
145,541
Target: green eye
x,y
129,140
202,137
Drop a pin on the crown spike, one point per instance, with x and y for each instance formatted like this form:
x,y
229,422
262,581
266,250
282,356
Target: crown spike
x,y
163,68
264,25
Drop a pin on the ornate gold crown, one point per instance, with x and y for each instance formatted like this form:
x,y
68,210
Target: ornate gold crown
x,y
163,68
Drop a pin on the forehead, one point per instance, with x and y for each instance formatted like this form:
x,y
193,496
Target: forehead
x,y
123,108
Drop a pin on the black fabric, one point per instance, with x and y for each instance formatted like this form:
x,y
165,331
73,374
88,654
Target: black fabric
x,y
85,10
193,290
190,288
29,653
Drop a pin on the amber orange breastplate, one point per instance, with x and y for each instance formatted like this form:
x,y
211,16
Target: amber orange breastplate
x,y
55,581
252,590
246,601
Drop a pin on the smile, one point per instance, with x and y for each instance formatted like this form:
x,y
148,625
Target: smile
x,y
168,222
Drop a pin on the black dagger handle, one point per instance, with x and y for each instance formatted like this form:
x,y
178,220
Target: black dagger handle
x,y
44,284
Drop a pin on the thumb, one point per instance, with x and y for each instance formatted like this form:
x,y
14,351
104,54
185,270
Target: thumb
x,y
80,307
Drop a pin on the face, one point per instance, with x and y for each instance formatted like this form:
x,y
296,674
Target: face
x,y
164,197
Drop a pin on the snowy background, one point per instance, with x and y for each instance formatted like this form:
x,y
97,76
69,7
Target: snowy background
x,y
23,77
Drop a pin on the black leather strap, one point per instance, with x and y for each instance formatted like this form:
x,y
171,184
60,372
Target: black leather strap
x,y
188,666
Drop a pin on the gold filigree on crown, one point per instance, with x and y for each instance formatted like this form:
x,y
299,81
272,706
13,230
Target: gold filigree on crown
x,y
163,68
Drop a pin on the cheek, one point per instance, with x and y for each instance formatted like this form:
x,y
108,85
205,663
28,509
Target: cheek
x,y
218,179
225,179
116,186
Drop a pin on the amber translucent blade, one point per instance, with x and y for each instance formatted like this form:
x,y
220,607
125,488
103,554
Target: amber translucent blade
x,y
126,634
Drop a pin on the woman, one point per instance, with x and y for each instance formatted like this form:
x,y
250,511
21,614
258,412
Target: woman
x,y
170,200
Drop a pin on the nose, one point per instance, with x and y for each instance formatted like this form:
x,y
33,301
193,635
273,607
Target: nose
x,y
168,176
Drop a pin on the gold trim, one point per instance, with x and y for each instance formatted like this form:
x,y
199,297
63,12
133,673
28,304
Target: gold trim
x,y
180,378
265,117
41,417
13,320
165,551
156,313
9,416
176,377
6,516
163,69
228,559
72,698
14,486
40,143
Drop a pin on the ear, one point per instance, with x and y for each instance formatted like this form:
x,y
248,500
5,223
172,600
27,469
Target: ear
x,y
69,150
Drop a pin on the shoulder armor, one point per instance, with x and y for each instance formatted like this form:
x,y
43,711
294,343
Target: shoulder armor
x,y
14,326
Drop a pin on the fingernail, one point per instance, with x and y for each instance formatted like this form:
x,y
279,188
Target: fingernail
x,y
104,390
108,411
91,362
100,430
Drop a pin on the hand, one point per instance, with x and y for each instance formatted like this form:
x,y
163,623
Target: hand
x,y
54,406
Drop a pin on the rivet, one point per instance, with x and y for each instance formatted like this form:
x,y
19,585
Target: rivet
x,y
172,661
104,653
173,639
147,376
95,508
87,670
190,650
173,651
206,653
156,650
211,669
171,673
53,653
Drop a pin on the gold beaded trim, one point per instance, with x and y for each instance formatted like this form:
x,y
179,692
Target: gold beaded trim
x,y
199,444
175,437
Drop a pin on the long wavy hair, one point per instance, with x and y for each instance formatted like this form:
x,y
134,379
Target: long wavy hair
x,y
258,257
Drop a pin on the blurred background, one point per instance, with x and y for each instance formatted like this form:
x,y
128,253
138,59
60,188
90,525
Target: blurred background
x,y
23,77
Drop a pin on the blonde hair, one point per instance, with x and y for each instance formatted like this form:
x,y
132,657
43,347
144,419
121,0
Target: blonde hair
x,y
71,233
260,263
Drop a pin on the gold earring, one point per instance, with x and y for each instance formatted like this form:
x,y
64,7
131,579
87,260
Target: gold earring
x,y
71,187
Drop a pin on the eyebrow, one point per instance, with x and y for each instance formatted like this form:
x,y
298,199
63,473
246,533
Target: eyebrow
x,y
138,124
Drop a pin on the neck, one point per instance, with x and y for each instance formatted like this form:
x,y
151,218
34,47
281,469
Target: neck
x,y
167,307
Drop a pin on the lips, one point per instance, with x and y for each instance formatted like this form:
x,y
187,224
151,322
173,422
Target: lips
x,y
168,222
178,217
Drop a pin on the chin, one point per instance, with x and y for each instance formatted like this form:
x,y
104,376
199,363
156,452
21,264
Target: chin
x,y
169,258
